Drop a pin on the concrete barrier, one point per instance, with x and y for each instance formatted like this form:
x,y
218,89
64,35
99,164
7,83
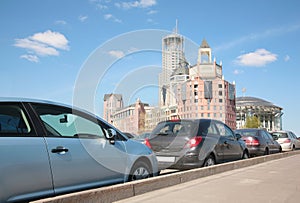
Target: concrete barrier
x,y
130,189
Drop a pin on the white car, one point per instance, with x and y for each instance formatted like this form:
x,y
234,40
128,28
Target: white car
x,y
287,139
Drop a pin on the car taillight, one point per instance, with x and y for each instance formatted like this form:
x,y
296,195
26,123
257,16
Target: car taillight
x,y
251,141
194,142
147,143
287,141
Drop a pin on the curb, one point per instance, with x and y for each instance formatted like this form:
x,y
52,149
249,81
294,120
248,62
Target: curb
x,y
130,189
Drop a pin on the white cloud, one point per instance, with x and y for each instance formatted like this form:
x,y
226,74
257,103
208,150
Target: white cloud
x,y
136,4
50,38
259,58
32,58
287,58
60,22
42,44
116,53
237,72
151,12
82,18
36,47
111,17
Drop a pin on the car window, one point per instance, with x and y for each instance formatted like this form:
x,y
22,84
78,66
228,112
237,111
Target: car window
x,y
293,135
13,121
207,127
280,135
60,121
224,130
266,135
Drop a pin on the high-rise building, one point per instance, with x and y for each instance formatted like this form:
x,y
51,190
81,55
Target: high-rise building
x,y
172,59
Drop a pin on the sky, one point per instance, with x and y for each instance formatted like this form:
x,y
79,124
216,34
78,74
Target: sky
x,y
74,52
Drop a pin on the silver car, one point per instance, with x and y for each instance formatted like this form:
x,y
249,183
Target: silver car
x,y
287,139
48,149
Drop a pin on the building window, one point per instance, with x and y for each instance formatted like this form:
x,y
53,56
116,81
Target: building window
x,y
208,115
220,85
220,100
220,93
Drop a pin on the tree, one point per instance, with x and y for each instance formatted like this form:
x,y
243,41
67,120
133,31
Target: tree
x,y
252,122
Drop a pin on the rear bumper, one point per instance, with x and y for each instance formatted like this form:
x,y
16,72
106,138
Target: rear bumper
x,y
185,162
256,151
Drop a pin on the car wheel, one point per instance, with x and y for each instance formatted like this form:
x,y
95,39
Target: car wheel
x,y
293,148
209,161
140,170
267,152
245,155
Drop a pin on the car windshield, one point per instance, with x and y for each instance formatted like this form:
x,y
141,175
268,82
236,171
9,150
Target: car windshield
x,y
280,135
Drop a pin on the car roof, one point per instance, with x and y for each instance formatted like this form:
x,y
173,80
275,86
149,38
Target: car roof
x,y
41,101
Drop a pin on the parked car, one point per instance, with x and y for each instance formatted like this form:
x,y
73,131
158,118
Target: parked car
x,y
142,137
191,143
48,149
287,139
259,141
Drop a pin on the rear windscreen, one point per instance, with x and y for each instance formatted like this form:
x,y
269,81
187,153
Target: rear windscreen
x,y
280,135
176,128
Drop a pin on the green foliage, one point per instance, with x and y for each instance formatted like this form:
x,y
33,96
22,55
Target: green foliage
x,y
252,122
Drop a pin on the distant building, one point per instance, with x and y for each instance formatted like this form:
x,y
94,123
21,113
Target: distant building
x,y
270,115
112,102
131,119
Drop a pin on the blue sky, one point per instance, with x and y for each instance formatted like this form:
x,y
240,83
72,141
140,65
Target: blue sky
x,y
51,48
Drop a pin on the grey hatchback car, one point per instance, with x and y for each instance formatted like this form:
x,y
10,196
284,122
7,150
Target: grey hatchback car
x,y
190,143
48,149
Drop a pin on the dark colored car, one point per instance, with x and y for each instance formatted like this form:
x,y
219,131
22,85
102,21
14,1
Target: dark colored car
x,y
191,143
259,141
47,149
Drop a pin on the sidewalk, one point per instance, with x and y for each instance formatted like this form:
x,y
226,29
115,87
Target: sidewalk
x,y
273,181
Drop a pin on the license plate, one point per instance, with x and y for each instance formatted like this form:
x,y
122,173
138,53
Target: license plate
x,y
165,159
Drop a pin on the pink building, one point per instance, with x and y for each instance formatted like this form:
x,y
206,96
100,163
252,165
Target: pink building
x,y
205,94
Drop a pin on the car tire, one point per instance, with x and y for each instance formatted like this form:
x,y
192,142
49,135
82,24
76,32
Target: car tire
x,y
293,148
140,170
267,152
209,161
245,155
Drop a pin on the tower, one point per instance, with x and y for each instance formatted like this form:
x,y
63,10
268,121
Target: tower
x,y
172,57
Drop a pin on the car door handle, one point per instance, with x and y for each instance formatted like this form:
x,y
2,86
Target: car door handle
x,y
59,149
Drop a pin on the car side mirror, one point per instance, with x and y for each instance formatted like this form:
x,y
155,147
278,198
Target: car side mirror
x,y
238,136
111,134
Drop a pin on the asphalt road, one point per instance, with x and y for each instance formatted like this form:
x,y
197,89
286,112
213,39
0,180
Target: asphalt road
x,y
273,181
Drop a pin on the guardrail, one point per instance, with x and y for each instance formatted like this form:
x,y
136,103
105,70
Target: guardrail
x,y
130,189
